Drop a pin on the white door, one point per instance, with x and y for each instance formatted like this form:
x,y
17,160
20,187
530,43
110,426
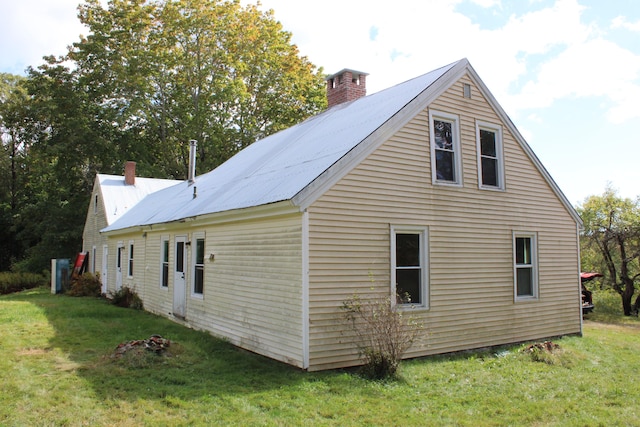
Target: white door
x,y
179,280
105,258
119,268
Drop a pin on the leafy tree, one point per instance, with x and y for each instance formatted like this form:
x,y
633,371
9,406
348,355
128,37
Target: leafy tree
x,y
612,229
13,99
173,70
149,76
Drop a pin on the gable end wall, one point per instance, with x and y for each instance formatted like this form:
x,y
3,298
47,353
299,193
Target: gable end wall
x,y
470,234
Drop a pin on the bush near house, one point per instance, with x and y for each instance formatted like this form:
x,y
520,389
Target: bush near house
x,y
127,298
15,282
87,285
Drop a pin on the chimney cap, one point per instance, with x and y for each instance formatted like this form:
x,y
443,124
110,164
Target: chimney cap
x,y
344,70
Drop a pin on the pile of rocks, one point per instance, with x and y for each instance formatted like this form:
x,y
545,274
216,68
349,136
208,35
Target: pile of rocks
x,y
155,344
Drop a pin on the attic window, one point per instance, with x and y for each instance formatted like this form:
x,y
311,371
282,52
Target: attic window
x,y
95,204
466,90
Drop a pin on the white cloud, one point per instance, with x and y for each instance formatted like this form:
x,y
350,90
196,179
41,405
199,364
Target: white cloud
x,y
621,22
594,68
33,28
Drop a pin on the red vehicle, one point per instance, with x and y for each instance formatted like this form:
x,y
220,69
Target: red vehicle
x,y
587,300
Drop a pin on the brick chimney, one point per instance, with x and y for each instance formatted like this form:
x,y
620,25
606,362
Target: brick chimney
x,y
346,85
130,173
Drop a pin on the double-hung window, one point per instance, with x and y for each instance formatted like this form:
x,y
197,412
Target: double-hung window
x,y
164,261
409,266
446,158
490,159
198,264
525,265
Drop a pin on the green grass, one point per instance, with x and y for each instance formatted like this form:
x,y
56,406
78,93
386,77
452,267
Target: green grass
x,y
57,370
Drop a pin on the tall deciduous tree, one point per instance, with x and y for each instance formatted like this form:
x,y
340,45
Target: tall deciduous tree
x,y
150,76
174,70
13,98
612,227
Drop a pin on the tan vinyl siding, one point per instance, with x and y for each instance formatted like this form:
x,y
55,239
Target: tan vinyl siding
x,y
95,221
252,288
470,243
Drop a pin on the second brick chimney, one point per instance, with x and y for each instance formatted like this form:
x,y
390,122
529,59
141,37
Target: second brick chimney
x,y
130,173
346,85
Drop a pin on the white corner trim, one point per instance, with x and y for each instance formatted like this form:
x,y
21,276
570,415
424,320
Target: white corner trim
x,y
305,290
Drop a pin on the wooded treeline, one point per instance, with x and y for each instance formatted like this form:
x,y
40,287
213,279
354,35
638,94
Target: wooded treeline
x,y
149,76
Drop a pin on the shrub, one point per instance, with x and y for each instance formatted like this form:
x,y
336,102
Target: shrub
x,y
127,298
384,334
14,282
86,285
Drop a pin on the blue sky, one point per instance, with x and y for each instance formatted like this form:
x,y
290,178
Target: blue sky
x,y
566,71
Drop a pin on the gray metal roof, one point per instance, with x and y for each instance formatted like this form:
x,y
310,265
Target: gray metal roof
x,y
278,167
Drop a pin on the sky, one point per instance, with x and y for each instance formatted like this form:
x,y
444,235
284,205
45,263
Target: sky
x,y
567,72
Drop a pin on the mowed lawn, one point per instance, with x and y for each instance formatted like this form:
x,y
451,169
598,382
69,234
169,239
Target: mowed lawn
x,y
57,369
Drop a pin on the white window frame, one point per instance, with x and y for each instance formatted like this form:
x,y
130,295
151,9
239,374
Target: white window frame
x,y
423,232
194,253
497,129
164,254
457,150
130,252
534,266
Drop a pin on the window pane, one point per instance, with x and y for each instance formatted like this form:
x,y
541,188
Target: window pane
x,y
165,251
407,250
180,257
408,285
523,250
199,251
487,143
445,169
525,281
199,285
489,171
443,135
165,275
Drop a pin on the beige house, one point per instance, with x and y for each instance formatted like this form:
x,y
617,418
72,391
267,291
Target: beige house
x,y
425,189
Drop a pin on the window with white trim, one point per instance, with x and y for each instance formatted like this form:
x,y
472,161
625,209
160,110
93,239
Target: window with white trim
x,y
525,265
197,288
409,265
446,158
490,157
130,264
164,261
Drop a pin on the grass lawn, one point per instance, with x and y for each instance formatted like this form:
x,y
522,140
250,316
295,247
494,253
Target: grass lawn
x,y
57,370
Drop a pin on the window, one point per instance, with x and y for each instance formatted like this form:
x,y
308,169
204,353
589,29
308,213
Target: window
x,y
95,204
198,264
409,276
446,162
164,261
525,265
130,268
490,164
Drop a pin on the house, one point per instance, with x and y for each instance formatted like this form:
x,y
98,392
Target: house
x,y
424,190
112,196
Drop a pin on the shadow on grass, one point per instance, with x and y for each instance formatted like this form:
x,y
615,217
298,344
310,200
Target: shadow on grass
x,y
88,330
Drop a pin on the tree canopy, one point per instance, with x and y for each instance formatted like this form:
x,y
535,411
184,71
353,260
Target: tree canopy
x,y
612,233
149,76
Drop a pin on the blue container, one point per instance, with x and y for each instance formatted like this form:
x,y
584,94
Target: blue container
x,y
59,275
